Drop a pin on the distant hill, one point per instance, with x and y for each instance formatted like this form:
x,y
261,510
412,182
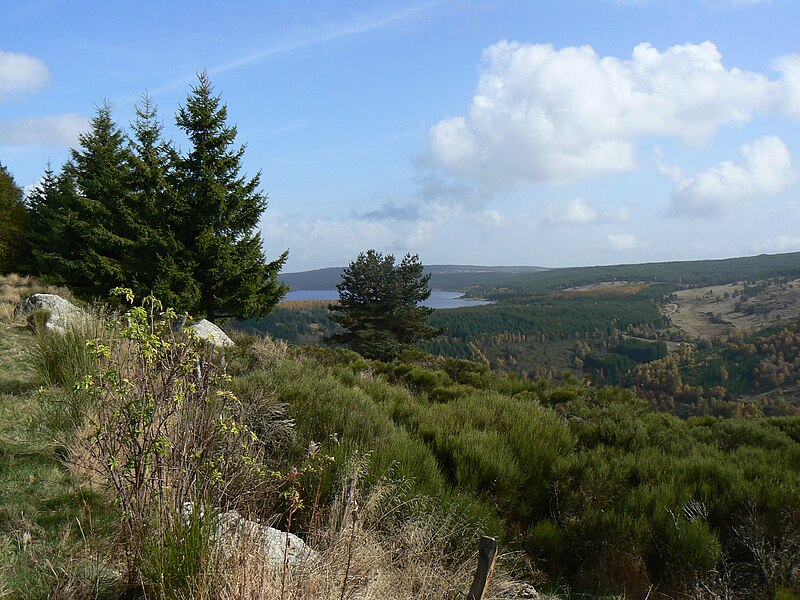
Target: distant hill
x,y
443,277
498,282
691,273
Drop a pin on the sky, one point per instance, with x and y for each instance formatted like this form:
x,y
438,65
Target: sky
x,y
532,132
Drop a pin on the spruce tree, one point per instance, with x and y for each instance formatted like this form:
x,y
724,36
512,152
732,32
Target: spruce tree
x,y
219,210
158,262
379,306
105,221
51,240
13,219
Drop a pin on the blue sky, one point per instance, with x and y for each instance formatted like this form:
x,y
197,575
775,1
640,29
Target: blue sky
x,y
555,133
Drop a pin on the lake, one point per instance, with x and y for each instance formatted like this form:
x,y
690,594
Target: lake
x,y
438,299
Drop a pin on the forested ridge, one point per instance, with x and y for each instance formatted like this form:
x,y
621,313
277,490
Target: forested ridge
x,y
691,273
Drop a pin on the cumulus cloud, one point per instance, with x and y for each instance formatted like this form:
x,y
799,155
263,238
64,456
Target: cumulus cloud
x,y
54,130
765,170
788,96
622,241
546,114
21,73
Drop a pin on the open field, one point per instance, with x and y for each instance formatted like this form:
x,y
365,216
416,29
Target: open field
x,y
719,310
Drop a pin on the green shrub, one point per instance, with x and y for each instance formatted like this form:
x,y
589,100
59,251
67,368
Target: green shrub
x,y
545,543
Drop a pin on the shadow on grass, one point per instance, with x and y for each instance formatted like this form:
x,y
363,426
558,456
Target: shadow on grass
x,y
15,386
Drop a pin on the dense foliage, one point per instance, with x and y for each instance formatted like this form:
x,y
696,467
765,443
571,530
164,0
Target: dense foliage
x,y
597,489
130,209
378,309
12,221
709,378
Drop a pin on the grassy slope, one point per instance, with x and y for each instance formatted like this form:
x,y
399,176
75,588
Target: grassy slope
x,y
52,532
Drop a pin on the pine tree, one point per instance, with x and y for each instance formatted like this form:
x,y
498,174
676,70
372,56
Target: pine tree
x,y
379,305
13,219
219,210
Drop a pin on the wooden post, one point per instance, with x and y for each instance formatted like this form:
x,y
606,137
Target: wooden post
x,y
487,555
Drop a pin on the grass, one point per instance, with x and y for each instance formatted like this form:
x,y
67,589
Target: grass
x,y
53,531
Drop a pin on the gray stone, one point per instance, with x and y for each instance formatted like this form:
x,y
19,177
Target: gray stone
x,y
516,590
208,332
268,543
63,314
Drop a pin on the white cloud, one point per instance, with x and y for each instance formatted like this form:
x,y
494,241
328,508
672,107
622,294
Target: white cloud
x,y
580,212
622,241
574,212
340,239
357,25
542,114
788,96
21,73
766,170
54,130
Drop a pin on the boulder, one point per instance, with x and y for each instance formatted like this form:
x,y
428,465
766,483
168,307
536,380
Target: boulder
x,y
63,313
208,332
516,591
234,531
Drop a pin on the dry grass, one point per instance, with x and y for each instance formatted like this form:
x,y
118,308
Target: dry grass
x,y
361,559
777,303
15,288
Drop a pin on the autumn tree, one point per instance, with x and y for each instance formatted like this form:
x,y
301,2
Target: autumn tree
x,y
379,305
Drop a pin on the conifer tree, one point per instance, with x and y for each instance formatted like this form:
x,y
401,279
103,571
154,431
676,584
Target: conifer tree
x,y
12,222
51,237
219,210
105,222
379,305
158,261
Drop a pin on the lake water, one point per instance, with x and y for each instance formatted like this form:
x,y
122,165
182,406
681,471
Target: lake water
x,y
438,299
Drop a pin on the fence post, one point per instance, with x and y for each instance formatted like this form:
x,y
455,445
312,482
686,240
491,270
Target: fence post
x,y
487,555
